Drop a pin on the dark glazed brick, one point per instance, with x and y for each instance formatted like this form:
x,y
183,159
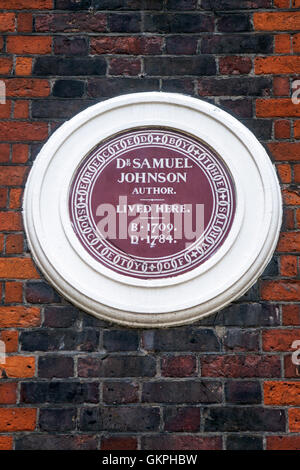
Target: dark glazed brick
x,y
272,270
57,419
252,295
122,4
187,391
184,419
128,419
239,107
40,292
178,366
182,4
178,23
172,66
181,45
68,89
59,366
120,392
121,419
56,442
237,44
73,4
59,109
262,129
241,340
120,340
125,23
128,366
234,23
50,66
70,45
259,86
244,419
246,315
181,339
119,443
59,392
60,317
109,87
183,85
244,443
235,4
243,392
62,340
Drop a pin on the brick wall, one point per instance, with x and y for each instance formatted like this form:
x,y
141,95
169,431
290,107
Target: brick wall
x,y
73,382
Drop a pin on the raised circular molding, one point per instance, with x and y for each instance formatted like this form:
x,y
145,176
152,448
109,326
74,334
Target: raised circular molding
x,y
152,156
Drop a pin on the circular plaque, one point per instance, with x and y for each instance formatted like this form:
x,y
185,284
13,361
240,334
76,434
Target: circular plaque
x,y
152,209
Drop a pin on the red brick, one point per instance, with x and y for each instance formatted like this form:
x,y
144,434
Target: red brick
x,y
282,393
288,266
126,45
289,242
19,317
29,44
23,66
8,393
291,197
4,155
277,107
295,3
13,292
277,65
184,442
280,339
21,110
282,129
284,172
288,218
291,315
10,221
119,443
6,64
18,367
281,86
285,290
235,65
26,4
294,420
285,151
12,175
20,153
291,370
282,3
17,268
27,87
240,366
25,22
7,22
178,366
3,197
282,44
283,443
15,198
277,21
6,442
28,131
10,339
17,419
5,110
14,244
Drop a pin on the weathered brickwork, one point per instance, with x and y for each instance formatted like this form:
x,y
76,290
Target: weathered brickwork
x,y
73,382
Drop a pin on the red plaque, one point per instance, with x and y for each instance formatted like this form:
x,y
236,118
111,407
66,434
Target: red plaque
x,y
152,203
